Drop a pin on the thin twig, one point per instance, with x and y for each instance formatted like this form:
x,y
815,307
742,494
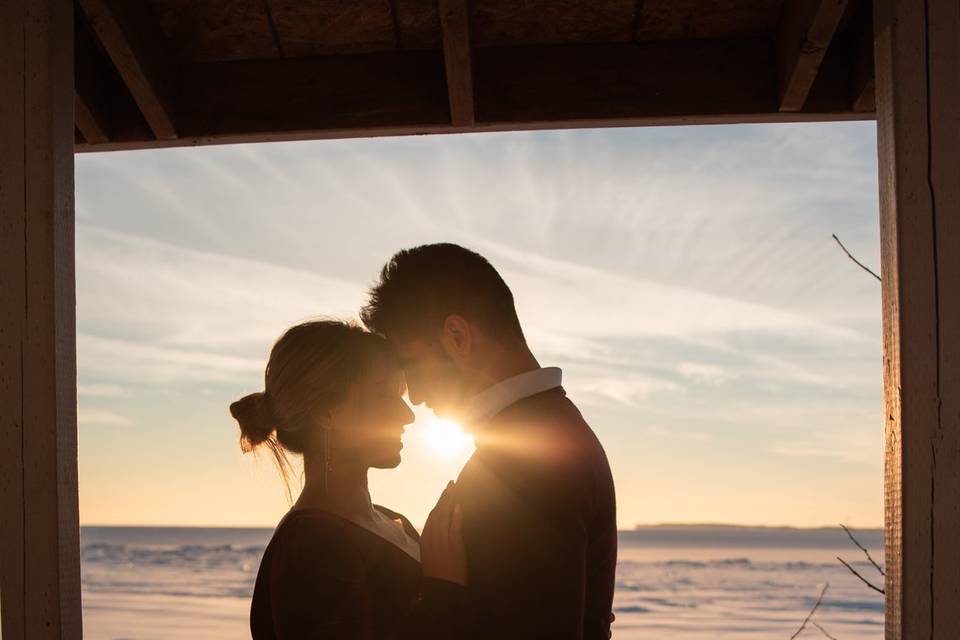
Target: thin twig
x,y
812,611
823,631
860,264
865,552
862,579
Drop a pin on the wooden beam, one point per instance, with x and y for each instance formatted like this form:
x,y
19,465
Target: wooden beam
x,y
917,48
517,88
805,31
134,43
455,23
13,17
39,532
862,86
90,103
88,122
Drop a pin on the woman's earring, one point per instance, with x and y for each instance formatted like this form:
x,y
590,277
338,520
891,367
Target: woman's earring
x,y
326,459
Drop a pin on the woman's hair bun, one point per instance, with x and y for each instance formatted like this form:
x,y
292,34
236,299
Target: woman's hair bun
x,y
255,417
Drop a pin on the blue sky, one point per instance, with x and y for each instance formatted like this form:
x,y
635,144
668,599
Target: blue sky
x,y
724,349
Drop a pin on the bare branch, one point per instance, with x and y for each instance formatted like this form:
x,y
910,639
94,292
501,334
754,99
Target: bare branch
x,y
812,611
864,549
864,580
859,264
823,631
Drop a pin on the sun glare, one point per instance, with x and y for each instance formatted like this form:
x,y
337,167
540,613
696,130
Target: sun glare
x,y
445,438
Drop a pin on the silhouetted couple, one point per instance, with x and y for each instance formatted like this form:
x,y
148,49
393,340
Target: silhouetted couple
x,y
523,545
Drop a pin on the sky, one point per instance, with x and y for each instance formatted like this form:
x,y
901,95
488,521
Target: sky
x,y
724,349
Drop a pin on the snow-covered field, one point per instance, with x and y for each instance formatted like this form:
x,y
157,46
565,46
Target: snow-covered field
x,y
680,583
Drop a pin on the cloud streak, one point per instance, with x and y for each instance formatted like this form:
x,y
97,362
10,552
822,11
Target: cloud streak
x,y
684,278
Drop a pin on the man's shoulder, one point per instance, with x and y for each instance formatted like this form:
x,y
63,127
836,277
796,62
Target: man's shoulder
x,y
547,407
547,430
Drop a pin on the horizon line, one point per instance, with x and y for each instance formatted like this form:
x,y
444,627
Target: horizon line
x,y
636,527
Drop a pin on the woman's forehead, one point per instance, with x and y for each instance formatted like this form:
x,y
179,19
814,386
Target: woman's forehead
x,y
385,373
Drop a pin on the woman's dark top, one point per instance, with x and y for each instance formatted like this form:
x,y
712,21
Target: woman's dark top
x,y
323,576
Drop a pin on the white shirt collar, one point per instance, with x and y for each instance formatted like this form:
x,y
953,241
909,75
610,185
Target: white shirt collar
x,y
498,397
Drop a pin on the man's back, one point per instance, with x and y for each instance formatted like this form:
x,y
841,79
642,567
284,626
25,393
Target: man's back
x,y
539,524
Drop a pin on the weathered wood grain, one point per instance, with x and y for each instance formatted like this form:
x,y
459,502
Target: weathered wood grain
x,y
543,87
91,110
12,321
39,532
133,40
458,60
806,30
215,30
918,108
333,27
503,23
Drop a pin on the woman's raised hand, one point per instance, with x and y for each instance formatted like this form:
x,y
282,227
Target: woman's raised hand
x,y
441,544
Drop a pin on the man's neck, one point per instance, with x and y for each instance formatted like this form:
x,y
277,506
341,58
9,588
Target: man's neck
x,y
505,365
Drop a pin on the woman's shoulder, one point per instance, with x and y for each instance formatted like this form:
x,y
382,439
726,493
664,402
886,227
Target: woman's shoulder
x,y
316,530
312,542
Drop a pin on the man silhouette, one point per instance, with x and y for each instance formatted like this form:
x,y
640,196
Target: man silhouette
x,y
539,513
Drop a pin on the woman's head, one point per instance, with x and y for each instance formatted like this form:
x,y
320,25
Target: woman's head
x,y
331,376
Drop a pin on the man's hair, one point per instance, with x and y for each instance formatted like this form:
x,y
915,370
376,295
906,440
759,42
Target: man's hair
x,y
420,287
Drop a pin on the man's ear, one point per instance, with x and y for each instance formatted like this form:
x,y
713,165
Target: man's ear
x,y
457,337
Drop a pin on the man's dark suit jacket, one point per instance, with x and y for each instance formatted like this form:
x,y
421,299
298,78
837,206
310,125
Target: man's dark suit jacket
x,y
539,520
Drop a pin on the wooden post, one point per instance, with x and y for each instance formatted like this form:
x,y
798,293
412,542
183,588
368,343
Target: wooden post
x,y
39,532
918,110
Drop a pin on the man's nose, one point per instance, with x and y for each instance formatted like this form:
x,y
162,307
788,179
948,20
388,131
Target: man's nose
x,y
414,396
408,416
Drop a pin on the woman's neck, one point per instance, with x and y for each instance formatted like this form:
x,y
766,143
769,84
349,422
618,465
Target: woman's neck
x,y
341,490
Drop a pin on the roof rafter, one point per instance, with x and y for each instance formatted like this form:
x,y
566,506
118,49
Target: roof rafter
x,y
806,30
90,109
863,88
136,47
458,59
517,88
88,123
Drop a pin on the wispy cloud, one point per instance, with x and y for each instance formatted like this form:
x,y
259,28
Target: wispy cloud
x,y
101,390
684,278
101,417
705,373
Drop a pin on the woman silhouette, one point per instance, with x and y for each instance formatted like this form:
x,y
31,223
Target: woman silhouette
x,y
339,566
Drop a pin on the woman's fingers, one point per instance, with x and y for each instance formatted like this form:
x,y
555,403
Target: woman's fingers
x,y
456,523
441,543
438,522
445,510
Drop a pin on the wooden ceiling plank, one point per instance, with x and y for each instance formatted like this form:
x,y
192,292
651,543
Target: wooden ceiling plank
x,y
458,59
136,46
806,30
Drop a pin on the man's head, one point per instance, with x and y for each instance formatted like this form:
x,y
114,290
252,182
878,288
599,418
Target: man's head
x,y
452,320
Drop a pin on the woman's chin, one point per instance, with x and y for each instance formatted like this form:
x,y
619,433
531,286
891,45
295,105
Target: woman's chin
x,y
388,462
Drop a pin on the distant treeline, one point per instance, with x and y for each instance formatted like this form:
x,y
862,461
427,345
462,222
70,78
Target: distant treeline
x,y
737,536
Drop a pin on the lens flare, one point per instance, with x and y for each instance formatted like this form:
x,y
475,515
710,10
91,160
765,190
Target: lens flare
x,y
445,438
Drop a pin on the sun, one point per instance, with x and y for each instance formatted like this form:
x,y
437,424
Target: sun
x,y
445,438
